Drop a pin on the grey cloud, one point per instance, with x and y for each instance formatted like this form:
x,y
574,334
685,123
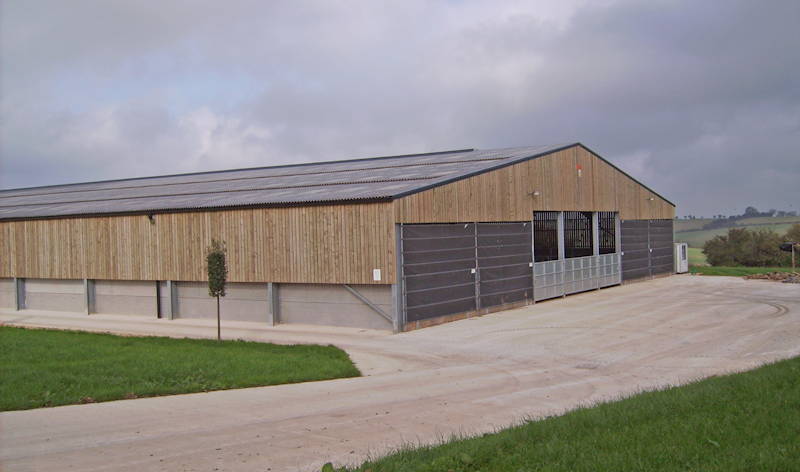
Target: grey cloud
x,y
701,98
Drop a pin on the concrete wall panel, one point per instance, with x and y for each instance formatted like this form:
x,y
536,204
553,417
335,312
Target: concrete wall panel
x,y
125,297
164,299
242,301
7,293
333,305
55,295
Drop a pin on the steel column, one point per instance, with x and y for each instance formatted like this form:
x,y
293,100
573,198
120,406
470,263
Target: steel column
x,y
477,270
88,296
19,293
172,295
398,288
533,259
561,242
273,316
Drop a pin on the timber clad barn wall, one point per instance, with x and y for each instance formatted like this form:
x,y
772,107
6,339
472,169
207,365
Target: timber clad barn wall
x,y
301,236
320,244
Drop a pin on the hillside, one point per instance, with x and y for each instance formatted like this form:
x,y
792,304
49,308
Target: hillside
x,y
691,225
692,232
698,238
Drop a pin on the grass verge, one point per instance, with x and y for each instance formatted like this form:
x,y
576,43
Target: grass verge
x,y
735,271
41,368
741,422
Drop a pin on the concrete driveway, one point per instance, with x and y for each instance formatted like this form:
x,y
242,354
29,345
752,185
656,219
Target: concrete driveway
x,y
466,377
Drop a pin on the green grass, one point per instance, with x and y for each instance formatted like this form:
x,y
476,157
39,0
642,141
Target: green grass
x,y
41,368
735,271
696,239
696,257
760,222
765,220
743,422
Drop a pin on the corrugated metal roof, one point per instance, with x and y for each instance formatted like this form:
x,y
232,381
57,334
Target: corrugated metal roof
x,y
354,180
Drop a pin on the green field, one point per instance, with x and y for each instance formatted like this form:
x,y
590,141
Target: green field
x,y
696,239
691,232
696,257
699,224
741,422
40,368
689,225
735,271
766,220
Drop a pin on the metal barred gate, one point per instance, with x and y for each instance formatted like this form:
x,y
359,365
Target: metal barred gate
x,y
564,245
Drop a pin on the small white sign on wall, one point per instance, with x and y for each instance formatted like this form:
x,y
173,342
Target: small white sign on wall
x,y
376,275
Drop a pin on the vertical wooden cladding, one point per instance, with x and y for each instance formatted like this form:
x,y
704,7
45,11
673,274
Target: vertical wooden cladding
x,y
313,244
573,179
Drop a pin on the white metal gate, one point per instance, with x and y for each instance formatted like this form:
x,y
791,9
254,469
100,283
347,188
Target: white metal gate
x,y
566,275
562,277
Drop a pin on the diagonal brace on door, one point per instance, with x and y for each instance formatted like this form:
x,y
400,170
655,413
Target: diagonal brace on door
x,y
366,301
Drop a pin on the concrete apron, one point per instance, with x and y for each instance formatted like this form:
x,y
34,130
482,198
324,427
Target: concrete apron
x,y
466,377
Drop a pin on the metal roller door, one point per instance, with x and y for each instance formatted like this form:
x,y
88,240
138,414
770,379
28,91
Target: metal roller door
x,y
646,248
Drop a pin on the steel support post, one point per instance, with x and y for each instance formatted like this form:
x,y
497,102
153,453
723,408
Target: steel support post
x,y
533,258
477,270
88,296
172,295
19,293
273,318
618,245
561,242
398,288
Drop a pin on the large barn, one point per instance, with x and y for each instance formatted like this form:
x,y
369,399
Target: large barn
x,y
392,243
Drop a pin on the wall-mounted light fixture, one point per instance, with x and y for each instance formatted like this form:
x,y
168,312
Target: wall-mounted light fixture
x,y
151,218
650,199
535,193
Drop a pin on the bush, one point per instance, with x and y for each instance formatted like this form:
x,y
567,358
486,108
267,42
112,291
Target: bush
x,y
750,248
793,234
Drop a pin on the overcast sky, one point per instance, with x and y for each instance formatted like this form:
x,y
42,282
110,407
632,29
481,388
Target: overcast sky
x,y
700,100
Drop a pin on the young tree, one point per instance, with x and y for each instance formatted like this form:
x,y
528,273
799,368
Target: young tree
x,y
217,274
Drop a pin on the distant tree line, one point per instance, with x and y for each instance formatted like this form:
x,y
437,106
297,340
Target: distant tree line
x,y
751,248
749,212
